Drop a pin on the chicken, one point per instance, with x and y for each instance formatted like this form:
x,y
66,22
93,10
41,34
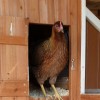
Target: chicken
x,y
51,57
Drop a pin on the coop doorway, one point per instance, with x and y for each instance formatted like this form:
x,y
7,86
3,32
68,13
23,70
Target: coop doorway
x,y
37,34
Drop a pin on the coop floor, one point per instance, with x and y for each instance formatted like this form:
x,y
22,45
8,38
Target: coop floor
x,y
38,93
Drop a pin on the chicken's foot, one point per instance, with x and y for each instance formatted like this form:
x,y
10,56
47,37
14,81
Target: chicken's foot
x,y
56,95
43,90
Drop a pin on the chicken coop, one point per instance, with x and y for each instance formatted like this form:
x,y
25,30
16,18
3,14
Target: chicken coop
x,y
25,22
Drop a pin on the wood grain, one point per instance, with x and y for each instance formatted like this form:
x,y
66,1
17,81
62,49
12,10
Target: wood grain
x,y
13,66
22,98
18,25
43,9
11,27
13,88
13,40
34,11
49,11
90,97
92,51
63,11
79,49
14,98
74,88
99,63
13,8
64,98
0,62
56,10
8,98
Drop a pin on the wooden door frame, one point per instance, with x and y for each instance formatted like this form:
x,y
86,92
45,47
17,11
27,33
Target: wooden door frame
x,y
75,42
91,96
75,51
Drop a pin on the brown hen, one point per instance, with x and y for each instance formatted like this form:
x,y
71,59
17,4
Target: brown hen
x,y
51,57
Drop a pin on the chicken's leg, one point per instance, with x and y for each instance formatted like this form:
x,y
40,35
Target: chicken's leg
x,y
43,90
57,96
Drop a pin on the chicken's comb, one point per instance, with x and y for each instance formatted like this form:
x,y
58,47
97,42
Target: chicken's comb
x,y
58,22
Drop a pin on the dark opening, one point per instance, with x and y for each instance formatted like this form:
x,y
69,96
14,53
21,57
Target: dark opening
x,y
37,34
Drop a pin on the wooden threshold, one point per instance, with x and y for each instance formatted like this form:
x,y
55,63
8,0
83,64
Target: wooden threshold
x,y
13,40
64,98
90,97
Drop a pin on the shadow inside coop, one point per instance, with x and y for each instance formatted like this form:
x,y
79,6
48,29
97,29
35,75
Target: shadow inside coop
x,y
37,34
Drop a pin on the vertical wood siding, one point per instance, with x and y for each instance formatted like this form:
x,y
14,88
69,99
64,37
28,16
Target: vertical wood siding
x,y
13,66
13,56
13,8
18,25
92,58
13,45
49,11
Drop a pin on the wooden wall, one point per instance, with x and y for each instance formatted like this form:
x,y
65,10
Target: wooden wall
x,y
13,49
14,42
92,57
38,11
17,8
49,11
14,98
13,55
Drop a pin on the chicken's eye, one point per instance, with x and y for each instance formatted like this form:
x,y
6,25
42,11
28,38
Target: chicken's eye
x,y
56,25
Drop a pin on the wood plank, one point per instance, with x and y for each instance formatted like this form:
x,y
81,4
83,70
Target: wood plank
x,y
90,97
21,27
13,8
13,88
5,8
34,11
63,11
99,63
1,25
68,12
26,3
0,62
93,0
74,69
20,8
92,57
13,40
79,26
22,61
56,9
14,98
8,23
22,98
43,11
13,26
8,98
50,11
64,98
14,62
1,8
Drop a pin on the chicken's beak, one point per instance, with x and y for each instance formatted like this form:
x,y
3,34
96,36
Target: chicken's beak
x,y
62,31
61,27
